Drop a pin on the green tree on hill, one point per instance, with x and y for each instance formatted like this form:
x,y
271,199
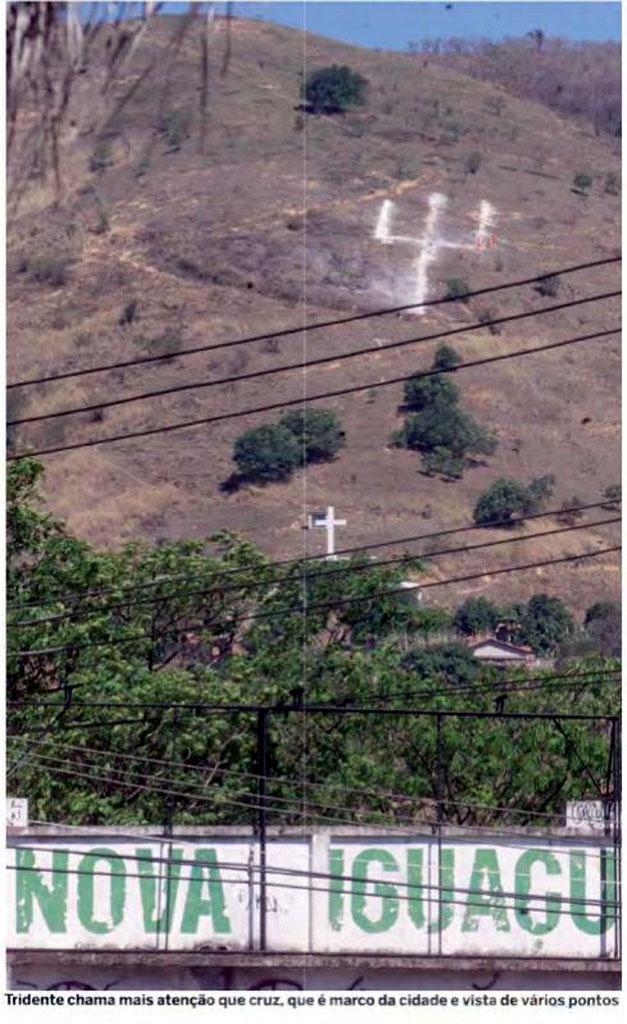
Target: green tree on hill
x,y
332,89
446,358
506,498
476,615
267,453
420,392
318,432
546,624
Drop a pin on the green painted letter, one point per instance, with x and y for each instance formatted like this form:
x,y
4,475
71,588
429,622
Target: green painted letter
x,y
30,886
117,890
148,889
597,921
523,887
195,905
490,904
445,892
336,896
414,892
386,892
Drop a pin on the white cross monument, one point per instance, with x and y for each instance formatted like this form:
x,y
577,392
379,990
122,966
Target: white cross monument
x,y
326,521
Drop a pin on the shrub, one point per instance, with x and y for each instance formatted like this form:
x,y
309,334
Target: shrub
x,y
446,426
613,495
101,158
419,392
166,345
503,499
52,269
442,461
318,432
330,90
129,313
175,127
612,183
446,358
485,316
267,453
472,162
456,287
538,493
582,183
549,286
476,615
507,497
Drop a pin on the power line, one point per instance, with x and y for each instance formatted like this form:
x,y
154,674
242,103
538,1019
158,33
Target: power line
x,y
271,803
142,360
307,783
324,574
311,607
339,392
322,360
201,705
167,877
513,521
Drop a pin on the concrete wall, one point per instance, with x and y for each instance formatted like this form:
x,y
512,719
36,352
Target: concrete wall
x,y
121,978
348,891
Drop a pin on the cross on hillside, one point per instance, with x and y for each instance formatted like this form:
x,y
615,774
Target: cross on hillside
x,y
326,521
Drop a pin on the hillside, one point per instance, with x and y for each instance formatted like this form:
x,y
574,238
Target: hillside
x,y
273,225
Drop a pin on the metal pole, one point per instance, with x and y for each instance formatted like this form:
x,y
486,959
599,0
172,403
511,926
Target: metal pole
x,y
440,813
262,767
616,834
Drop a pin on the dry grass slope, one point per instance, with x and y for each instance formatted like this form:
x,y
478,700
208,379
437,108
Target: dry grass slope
x,y
274,222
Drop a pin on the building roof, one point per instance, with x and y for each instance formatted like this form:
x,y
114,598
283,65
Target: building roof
x,y
502,645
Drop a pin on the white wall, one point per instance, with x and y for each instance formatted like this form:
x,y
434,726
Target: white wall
x,y
517,897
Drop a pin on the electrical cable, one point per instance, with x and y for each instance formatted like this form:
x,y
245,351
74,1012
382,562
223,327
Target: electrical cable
x,y
22,624
270,803
336,358
341,602
273,406
295,562
377,792
142,360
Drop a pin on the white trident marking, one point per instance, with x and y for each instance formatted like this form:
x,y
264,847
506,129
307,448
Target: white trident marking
x,y
429,243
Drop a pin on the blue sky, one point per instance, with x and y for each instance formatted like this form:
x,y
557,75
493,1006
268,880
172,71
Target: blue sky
x,y
388,24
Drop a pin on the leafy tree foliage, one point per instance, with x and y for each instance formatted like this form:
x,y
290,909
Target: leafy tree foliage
x,y
332,89
172,624
603,627
318,432
457,287
546,624
423,391
476,615
446,358
267,453
447,426
507,497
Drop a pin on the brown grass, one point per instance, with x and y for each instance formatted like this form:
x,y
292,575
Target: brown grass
x,y
203,243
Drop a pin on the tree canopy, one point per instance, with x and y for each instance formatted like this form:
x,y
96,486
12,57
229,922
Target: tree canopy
x,y
332,89
215,621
